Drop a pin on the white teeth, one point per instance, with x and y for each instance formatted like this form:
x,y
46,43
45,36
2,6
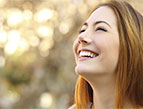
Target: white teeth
x,y
89,54
86,53
92,55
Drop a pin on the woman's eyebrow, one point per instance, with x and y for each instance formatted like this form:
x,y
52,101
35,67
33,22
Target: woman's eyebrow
x,y
97,22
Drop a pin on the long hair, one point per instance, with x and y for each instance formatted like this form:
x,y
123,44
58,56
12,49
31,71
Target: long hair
x,y
129,82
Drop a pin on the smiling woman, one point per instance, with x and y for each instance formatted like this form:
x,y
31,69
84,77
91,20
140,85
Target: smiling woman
x,y
109,58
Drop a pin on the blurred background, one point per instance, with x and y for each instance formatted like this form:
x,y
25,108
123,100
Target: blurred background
x,y
36,58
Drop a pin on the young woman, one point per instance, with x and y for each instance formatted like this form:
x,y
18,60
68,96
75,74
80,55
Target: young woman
x,y
109,58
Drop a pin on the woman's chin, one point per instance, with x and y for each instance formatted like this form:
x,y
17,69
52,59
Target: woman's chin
x,y
84,70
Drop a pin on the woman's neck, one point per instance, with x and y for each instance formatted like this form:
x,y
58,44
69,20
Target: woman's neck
x,y
103,91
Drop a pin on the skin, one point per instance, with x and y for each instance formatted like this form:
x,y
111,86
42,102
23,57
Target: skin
x,y
99,71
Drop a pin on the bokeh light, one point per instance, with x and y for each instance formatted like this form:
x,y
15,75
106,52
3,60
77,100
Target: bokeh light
x,y
27,15
65,26
13,42
14,17
45,45
33,41
46,100
44,15
2,61
23,45
3,36
45,31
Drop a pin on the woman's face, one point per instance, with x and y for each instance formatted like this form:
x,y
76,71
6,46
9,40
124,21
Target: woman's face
x,y
96,48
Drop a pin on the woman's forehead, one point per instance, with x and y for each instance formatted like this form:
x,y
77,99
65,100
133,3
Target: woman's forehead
x,y
104,13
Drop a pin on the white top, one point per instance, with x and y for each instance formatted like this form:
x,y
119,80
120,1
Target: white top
x,y
73,106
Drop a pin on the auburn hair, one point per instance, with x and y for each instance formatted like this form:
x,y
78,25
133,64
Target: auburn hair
x,y
129,71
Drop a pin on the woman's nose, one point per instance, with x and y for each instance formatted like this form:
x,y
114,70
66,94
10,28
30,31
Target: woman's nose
x,y
84,39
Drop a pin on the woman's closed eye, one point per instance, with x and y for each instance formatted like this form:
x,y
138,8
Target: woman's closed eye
x,y
81,31
101,29
98,29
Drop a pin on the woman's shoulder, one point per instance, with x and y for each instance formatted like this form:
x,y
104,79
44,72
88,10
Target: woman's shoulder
x,y
72,107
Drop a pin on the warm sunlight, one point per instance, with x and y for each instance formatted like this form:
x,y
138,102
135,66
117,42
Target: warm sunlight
x,y
43,15
3,36
14,17
13,42
45,31
46,100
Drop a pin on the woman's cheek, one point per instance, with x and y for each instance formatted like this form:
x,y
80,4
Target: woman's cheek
x,y
75,46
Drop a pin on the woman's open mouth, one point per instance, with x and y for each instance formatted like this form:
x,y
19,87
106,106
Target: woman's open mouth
x,y
85,54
